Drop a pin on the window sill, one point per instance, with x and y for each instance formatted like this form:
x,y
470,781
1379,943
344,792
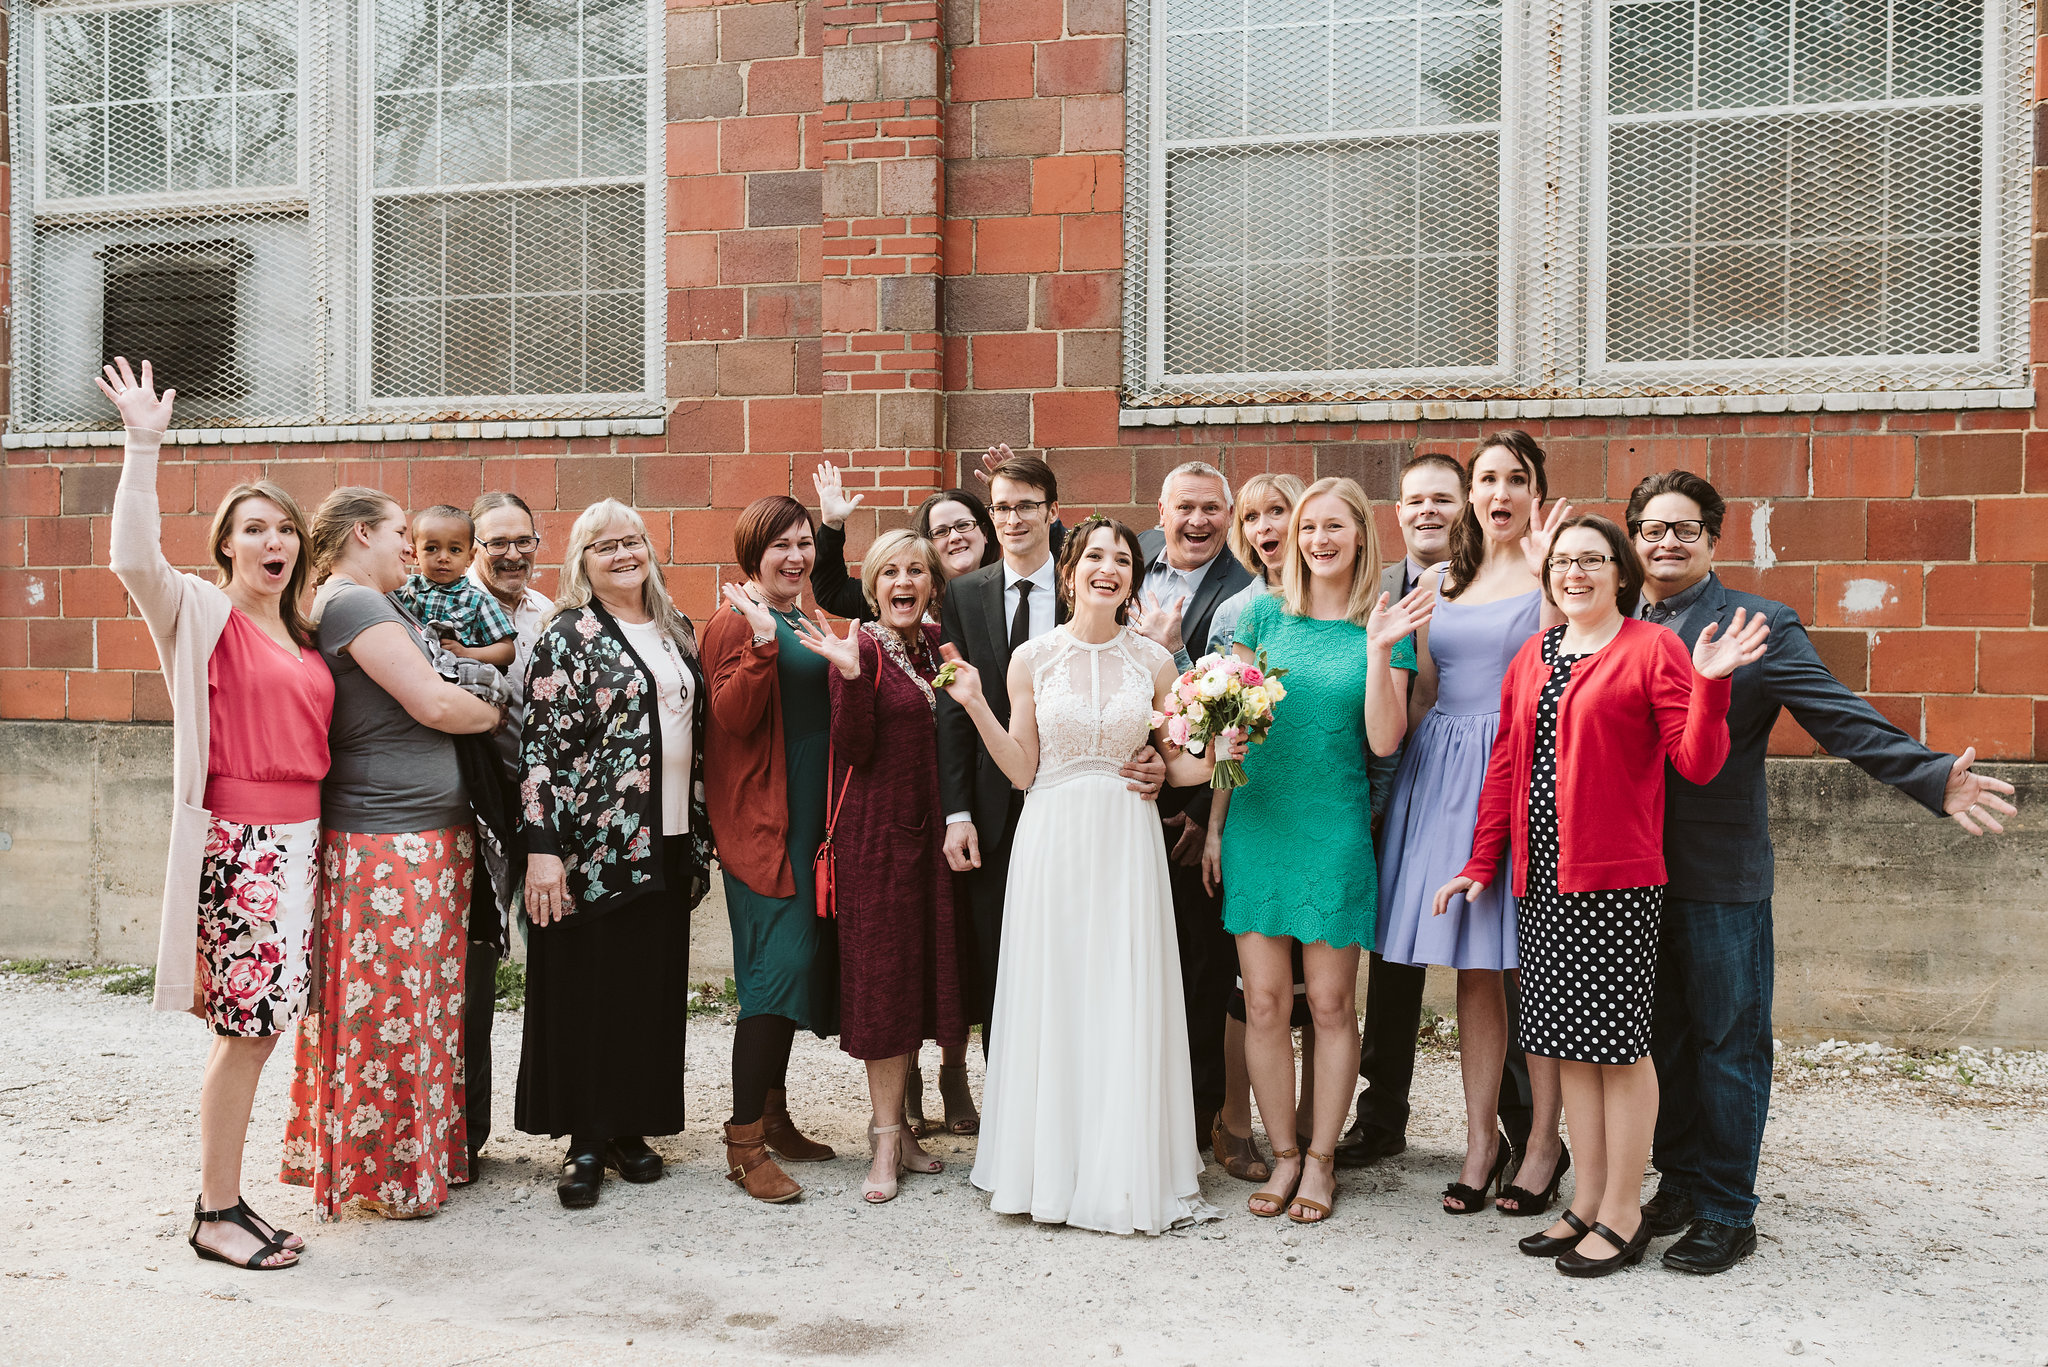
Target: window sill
x,y
1447,410
402,431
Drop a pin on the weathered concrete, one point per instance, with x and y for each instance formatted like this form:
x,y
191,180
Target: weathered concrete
x,y
1891,925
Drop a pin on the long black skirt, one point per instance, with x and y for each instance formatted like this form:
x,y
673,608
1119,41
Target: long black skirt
x,y
607,1006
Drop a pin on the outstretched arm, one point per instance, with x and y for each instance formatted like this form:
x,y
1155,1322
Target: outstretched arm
x,y
1015,750
135,544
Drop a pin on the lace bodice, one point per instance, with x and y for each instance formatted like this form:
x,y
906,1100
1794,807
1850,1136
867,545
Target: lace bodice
x,y
1094,703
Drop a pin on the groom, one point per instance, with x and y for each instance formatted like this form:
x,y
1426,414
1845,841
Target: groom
x,y
988,614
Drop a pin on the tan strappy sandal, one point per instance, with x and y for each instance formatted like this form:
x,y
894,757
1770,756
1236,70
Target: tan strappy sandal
x,y
875,1193
1322,1211
1280,1201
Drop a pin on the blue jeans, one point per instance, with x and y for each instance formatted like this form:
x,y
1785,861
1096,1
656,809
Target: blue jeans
x,y
1710,1036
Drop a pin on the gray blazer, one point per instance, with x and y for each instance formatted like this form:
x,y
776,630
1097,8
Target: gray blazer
x,y
1717,835
1225,577
1382,768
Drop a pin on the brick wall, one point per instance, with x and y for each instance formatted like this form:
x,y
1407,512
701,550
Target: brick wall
x,y
895,237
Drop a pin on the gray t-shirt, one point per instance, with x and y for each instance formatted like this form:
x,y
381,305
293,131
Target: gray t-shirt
x,y
387,773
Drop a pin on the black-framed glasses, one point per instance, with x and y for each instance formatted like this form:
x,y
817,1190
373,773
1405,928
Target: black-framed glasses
x,y
1023,508
1688,530
499,545
632,545
1592,562
952,529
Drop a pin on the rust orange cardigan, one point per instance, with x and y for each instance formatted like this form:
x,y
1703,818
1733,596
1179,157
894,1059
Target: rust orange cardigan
x,y
745,784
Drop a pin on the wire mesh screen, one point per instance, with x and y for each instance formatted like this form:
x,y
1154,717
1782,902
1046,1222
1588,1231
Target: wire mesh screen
x,y
309,213
1364,199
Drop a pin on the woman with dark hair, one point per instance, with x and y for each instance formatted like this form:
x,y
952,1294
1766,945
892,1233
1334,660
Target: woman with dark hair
x,y
1489,601
618,855
766,747
1591,710
250,702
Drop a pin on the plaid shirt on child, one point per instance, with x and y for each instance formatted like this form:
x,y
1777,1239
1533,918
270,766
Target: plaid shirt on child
x,y
477,618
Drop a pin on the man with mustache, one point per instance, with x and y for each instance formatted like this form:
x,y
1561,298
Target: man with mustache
x,y
506,544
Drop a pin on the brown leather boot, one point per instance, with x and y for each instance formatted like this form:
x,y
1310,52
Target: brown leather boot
x,y
782,1135
747,1163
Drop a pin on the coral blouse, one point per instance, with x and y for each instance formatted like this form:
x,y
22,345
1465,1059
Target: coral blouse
x,y
267,715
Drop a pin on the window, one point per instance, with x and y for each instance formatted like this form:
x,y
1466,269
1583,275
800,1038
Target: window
x,y
311,212
1426,199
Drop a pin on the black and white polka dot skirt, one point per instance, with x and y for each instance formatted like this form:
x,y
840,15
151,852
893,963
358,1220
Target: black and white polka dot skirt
x,y
1589,959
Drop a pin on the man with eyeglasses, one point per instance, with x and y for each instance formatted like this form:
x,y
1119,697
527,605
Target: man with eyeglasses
x,y
506,538
1711,1026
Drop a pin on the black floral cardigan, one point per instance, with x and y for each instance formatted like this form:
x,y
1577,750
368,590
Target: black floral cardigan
x,y
589,753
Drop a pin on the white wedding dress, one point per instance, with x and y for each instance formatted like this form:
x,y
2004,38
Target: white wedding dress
x,y
1088,1113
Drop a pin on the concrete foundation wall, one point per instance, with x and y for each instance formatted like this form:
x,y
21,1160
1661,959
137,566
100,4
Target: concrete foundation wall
x,y
1891,925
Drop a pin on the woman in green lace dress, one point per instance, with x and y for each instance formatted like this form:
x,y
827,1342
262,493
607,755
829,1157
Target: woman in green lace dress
x,y
1294,845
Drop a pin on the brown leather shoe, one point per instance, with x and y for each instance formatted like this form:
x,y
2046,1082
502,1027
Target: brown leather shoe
x,y
1240,1157
747,1163
782,1135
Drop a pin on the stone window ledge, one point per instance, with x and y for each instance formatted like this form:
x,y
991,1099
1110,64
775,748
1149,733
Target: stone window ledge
x,y
398,431
1447,410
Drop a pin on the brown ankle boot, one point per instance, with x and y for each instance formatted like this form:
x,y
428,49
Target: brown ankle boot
x,y
782,1135
747,1163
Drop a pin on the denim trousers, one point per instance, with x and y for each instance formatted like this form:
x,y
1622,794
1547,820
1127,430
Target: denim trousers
x,y
1710,1036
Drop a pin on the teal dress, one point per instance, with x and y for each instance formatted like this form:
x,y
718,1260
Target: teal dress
x,y
781,949
1297,840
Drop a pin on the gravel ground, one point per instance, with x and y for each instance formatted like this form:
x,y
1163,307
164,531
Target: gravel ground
x,y
1903,1222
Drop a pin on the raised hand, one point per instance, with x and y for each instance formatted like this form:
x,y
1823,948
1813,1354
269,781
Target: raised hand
x,y
740,598
1159,622
842,651
1542,528
1971,797
137,401
1460,884
1744,644
965,686
990,459
1390,622
834,507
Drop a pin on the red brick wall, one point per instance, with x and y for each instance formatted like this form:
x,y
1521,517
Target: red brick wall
x,y
820,181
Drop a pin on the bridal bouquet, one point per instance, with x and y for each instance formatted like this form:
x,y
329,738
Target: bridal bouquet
x,y
1222,695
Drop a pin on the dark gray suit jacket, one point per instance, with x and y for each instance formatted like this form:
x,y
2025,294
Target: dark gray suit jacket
x,y
1382,768
1717,835
969,778
1226,576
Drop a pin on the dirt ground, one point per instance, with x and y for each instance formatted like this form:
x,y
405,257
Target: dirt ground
x,y
1903,1222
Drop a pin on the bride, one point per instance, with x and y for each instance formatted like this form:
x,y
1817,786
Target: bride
x,y
1088,1117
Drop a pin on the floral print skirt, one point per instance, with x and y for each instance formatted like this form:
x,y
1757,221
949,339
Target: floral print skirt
x,y
257,888
377,1087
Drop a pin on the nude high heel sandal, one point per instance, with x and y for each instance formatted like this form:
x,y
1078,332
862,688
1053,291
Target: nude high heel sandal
x,y
875,1193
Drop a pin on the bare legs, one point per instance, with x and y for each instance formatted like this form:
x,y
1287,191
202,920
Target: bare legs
x,y
1237,1079
1332,977
885,1094
1540,1159
233,1068
1612,1111
1482,1048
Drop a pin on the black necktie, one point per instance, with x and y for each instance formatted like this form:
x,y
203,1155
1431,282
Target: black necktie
x,y
1020,622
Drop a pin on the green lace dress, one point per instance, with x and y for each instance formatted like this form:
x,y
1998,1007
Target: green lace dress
x,y
1297,841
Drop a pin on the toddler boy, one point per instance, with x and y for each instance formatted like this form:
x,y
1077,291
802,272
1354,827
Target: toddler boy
x,y
468,620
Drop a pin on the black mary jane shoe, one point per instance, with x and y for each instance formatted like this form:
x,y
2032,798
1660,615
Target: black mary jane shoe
x,y
242,1217
630,1158
1577,1264
1475,1197
1529,1202
1549,1246
1709,1247
582,1177
1667,1212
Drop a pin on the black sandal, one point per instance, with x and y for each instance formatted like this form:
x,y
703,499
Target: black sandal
x,y
1529,1202
1475,1197
238,1215
961,1117
913,1100
281,1237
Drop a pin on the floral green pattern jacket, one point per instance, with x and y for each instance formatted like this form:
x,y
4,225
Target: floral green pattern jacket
x,y
590,753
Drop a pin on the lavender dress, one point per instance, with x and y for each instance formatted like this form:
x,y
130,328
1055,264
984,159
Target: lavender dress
x,y
1435,801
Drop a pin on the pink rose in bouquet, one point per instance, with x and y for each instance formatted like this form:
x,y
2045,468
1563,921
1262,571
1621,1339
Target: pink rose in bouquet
x,y
1222,696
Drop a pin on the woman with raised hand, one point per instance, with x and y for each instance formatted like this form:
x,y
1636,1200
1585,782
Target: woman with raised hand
x,y
899,979
250,703
1295,850
378,1087
766,742
1489,601
1590,712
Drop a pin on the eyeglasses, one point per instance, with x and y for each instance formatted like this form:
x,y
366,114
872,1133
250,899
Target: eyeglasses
x,y
498,545
1653,532
1590,563
632,545
953,529
1029,508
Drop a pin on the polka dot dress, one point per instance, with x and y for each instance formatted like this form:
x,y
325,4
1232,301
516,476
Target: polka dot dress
x,y
1589,959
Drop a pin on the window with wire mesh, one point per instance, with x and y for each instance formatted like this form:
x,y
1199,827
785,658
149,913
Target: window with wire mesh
x,y
508,244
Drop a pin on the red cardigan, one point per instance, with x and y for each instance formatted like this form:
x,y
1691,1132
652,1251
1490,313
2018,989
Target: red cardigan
x,y
746,789
1629,706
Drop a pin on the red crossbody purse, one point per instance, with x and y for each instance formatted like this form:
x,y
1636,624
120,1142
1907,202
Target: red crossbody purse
x,y
821,862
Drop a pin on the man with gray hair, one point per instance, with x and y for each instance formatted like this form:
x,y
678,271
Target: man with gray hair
x,y
1186,575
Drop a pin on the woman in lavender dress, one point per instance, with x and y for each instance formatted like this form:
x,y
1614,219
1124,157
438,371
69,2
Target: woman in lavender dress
x,y
1489,602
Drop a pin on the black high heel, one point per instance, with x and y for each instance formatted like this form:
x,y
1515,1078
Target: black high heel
x,y
1475,1197
1577,1264
238,1215
1549,1246
1529,1202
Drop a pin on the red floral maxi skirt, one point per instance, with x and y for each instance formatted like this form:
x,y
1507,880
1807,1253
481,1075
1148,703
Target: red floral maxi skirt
x,y
377,1092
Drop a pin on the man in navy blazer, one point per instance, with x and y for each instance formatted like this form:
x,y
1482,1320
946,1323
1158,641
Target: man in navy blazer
x,y
1711,1027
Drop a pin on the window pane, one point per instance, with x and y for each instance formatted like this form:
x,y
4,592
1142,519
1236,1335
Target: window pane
x,y
1461,70
408,236
1939,47
406,344
1291,91
550,244
266,140
408,140
1185,14
473,142
1205,85
548,345
202,153
473,45
616,233
135,138
266,46
479,346
614,128
202,49
75,154
1373,76
616,326
408,44
74,58
1745,53
614,38
1650,57
544,123
138,60
1841,51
